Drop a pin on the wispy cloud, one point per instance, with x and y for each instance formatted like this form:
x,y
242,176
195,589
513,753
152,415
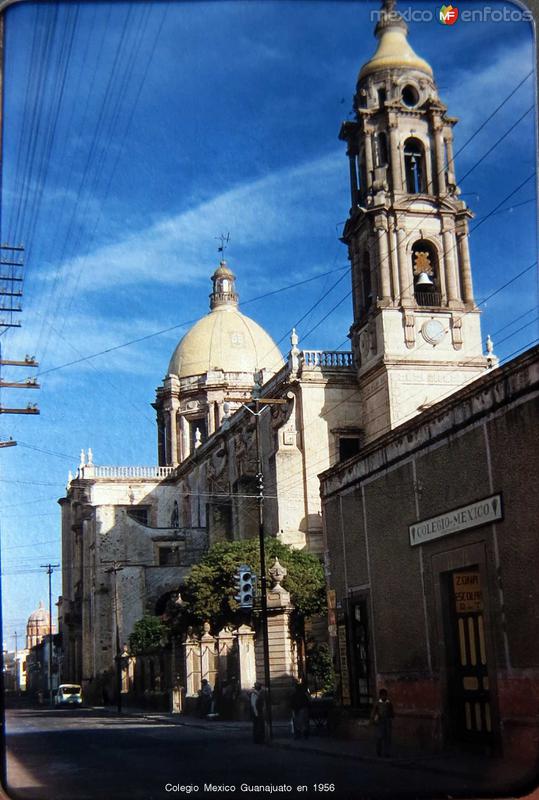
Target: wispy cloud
x,y
168,252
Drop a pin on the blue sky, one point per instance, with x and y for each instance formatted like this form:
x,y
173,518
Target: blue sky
x,y
135,134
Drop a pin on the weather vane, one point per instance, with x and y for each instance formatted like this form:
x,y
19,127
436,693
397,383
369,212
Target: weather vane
x,y
224,242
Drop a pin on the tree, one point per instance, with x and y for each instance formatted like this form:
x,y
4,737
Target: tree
x,y
148,634
209,590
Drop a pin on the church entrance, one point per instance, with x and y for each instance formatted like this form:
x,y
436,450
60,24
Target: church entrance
x,y
469,701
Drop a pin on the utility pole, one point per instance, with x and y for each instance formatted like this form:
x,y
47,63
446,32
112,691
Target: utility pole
x,y
260,406
50,569
114,571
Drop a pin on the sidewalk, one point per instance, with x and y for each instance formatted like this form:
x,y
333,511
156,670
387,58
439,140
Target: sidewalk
x,y
476,772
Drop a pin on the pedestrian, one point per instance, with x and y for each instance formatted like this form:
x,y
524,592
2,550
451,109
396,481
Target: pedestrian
x,y
205,695
258,713
382,717
300,710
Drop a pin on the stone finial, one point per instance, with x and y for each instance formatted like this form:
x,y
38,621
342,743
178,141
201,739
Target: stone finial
x,y
90,457
293,358
278,573
206,628
82,459
198,438
225,421
490,345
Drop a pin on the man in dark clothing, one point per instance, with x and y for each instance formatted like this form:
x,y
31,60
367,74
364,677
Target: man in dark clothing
x,y
382,717
300,710
258,713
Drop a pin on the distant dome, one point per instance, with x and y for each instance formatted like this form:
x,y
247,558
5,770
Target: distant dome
x,y
39,615
225,339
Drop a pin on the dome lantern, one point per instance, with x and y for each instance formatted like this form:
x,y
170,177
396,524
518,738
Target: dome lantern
x,y
224,290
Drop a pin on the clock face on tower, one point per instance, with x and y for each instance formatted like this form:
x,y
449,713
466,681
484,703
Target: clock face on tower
x,y
433,331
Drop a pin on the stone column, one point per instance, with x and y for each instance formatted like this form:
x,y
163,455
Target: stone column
x,y
439,157
184,438
394,257
225,643
173,434
246,649
465,266
406,277
208,655
450,266
192,665
354,187
283,665
383,261
369,164
396,175
448,139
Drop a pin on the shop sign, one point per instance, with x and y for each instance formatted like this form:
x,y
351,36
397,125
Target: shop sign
x,y
482,512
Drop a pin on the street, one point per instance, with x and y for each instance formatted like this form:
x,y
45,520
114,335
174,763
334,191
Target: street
x,y
91,754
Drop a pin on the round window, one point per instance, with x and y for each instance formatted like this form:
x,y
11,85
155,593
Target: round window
x,y
410,96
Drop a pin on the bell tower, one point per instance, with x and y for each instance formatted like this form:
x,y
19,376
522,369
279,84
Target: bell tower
x,y
416,335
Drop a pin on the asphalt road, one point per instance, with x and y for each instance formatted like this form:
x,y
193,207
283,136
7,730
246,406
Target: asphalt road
x,y
89,755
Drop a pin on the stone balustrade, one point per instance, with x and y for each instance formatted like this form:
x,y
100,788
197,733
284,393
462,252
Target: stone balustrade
x,y
326,358
92,471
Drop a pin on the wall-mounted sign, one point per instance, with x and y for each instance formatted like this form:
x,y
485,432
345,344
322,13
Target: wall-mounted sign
x,y
467,591
480,513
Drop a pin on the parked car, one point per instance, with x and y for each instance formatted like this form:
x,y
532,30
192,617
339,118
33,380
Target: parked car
x,y
68,694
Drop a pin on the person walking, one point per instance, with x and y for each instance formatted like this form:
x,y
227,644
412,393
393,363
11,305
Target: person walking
x,y
382,717
258,713
205,698
300,710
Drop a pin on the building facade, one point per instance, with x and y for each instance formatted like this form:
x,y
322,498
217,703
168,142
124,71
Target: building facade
x,y
131,534
431,532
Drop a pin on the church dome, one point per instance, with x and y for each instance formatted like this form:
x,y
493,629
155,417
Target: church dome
x,y
40,615
394,51
225,339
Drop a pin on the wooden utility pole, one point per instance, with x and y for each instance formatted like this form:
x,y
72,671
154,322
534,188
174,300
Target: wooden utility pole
x,y
50,569
116,567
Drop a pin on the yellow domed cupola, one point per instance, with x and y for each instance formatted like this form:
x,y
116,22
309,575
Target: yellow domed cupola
x,y
216,359
394,50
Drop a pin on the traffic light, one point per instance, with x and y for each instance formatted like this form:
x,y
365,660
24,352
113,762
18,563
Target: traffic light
x,y
246,586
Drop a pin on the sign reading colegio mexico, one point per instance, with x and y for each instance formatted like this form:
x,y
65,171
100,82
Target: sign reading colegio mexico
x,y
480,513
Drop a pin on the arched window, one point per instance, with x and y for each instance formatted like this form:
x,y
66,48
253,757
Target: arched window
x,y
380,149
426,274
414,165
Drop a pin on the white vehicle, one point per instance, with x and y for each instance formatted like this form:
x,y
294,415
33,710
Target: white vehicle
x,y
69,694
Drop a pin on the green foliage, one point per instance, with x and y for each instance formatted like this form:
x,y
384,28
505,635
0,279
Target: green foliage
x,y
148,635
209,590
320,668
